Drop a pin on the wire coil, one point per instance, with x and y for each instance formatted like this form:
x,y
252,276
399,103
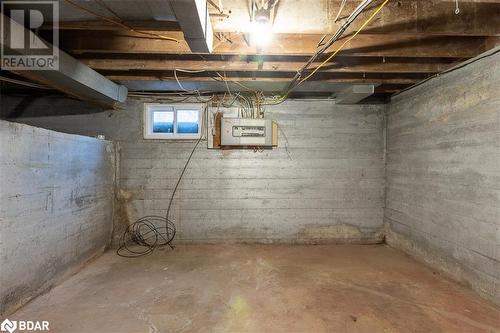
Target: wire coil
x,y
146,235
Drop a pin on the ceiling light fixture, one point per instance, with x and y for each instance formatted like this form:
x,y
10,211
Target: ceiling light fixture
x,y
261,22
261,28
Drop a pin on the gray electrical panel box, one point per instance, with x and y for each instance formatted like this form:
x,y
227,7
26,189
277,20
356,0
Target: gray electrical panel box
x,y
246,132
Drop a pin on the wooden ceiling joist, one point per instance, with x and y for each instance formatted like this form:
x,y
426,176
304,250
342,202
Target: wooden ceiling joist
x,y
79,42
270,66
337,79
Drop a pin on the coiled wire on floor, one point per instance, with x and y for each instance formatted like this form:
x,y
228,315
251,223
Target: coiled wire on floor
x,y
145,235
151,232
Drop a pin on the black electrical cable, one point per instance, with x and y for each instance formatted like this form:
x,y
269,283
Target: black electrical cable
x,y
151,232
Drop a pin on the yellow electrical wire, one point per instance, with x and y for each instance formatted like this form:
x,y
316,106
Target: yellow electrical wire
x,y
282,98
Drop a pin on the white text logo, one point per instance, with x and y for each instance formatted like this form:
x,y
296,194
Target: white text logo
x,y
24,325
21,46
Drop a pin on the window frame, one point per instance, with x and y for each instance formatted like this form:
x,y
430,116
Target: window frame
x,y
150,108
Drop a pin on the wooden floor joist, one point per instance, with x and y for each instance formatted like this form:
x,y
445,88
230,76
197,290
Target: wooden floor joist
x,y
152,77
77,41
270,66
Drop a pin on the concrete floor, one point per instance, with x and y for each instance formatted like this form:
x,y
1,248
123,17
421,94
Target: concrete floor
x,y
262,288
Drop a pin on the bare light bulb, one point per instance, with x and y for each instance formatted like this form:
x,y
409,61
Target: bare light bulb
x,y
260,33
261,29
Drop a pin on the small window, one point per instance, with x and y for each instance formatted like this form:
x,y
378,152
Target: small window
x,y
187,121
164,121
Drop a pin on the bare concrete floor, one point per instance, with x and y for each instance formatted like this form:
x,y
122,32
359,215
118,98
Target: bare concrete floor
x,y
262,288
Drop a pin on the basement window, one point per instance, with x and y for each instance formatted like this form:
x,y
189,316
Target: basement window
x,y
172,121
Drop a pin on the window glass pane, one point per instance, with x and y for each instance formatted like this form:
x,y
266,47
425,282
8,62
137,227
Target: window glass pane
x,y
187,121
163,122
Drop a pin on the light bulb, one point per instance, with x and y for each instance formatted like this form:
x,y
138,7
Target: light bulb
x,y
260,33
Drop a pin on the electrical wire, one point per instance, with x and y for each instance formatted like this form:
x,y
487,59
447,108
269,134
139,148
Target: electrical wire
x,y
179,83
224,78
151,232
284,96
191,70
225,81
346,41
342,5
250,104
357,11
197,92
23,83
103,5
120,23
286,142
145,235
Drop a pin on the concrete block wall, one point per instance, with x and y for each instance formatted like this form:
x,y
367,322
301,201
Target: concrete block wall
x,y
56,204
443,174
329,187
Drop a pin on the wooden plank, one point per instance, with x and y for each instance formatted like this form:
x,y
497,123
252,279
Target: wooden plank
x,y
271,66
216,135
283,44
396,81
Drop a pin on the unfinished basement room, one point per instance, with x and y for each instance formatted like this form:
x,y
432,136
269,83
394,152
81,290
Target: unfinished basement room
x,y
174,166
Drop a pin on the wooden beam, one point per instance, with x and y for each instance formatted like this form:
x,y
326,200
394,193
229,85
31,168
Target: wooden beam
x,y
285,44
143,77
264,66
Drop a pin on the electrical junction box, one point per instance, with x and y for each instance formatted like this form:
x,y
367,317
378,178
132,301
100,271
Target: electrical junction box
x,y
247,132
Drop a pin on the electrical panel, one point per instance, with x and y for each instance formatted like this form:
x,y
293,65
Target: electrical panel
x,y
246,132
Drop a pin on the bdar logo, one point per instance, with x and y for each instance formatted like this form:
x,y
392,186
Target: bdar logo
x,y
8,326
24,325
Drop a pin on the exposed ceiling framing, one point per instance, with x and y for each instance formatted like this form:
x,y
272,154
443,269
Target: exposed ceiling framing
x,y
408,42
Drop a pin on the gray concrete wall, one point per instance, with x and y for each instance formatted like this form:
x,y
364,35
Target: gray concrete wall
x,y
56,203
443,174
330,188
